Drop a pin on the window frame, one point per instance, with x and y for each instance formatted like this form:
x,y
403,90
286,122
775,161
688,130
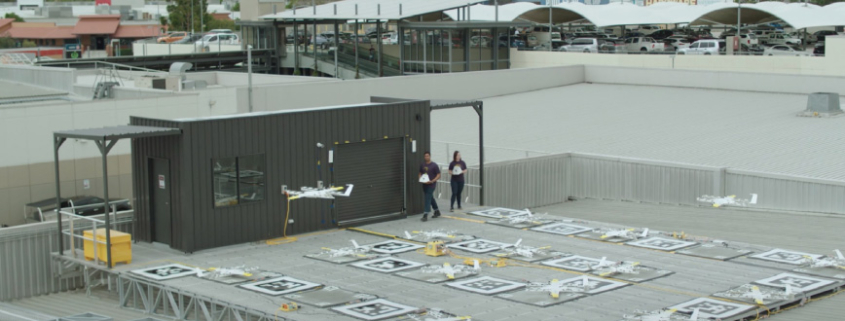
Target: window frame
x,y
237,181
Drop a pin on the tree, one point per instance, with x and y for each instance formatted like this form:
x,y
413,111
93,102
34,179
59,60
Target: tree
x,y
236,7
221,24
180,15
29,44
7,42
12,15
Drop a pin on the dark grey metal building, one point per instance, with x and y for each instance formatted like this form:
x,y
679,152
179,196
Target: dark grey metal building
x,y
220,181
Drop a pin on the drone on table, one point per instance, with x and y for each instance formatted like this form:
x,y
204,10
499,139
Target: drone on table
x,y
759,296
630,233
450,270
729,200
219,272
355,250
319,192
555,287
437,315
837,262
517,249
662,315
425,236
528,217
613,268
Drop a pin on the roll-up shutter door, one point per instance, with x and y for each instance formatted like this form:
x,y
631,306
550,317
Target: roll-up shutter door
x,y
376,168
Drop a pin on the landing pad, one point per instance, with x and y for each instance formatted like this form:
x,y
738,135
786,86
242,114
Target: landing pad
x,y
661,243
563,229
343,259
537,257
375,310
714,251
521,224
329,296
827,272
432,274
644,273
237,279
712,308
498,212
486,285
539,298
596,236
771,295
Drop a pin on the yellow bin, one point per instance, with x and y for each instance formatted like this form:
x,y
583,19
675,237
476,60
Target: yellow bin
x,y
121,246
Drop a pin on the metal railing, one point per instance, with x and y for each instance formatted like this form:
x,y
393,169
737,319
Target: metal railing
x,y
98,65
95,224
469,152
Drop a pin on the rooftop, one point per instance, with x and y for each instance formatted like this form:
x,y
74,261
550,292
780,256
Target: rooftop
x,y
692,277
757,131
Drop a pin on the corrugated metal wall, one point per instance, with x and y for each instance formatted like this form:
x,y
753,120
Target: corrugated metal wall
x,y
26,267
289,142
780,192
540,181
612,178
142,150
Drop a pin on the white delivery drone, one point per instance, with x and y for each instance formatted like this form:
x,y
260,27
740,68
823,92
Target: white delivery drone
x,y
837,262
319,192
730,200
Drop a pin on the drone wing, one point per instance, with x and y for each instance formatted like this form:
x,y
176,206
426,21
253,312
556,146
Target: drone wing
x,y
757,295
753,199
839,255
694,316
345,193
450,272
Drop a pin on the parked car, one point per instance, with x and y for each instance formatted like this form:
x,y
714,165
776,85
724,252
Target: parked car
x,y
673,44
45,210
784,50
702,47
514,42
819,50
390,38
649,28
221,38
480,41
172,37
612,46
781,39
585,45
220,31
643,44
633,34
661,34
189,39
821,34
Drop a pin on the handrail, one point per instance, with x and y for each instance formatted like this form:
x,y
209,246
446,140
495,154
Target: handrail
x,y
106,63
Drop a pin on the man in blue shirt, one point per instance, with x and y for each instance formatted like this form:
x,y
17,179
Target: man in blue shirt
x,y
431,170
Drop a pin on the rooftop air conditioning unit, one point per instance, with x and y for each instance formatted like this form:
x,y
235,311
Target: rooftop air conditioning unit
x,y
822,105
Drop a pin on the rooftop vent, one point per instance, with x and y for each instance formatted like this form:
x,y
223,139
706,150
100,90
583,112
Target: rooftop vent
x,y
822,105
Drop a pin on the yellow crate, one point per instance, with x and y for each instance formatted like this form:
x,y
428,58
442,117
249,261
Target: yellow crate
x,y
121,246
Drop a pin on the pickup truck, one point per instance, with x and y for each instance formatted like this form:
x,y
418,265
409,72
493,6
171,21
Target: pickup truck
x,y
643,44
781,39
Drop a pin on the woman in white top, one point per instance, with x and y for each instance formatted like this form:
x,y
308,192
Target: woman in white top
x,y
457,168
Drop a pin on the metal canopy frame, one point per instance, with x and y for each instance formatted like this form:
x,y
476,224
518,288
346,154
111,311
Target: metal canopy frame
x,y
439,104
105,138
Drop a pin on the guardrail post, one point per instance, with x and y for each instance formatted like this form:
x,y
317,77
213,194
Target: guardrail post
x,y
72,243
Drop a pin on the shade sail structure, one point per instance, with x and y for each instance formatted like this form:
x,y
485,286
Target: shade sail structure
x,y
797,15
370,10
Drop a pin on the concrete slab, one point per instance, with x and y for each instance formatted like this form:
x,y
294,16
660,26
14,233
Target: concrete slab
x,y
784,256
563,229
439,273
378,309
770,296
237,279
640,274
498,212
165,272
486,285
280,286
715,309
535,297
329,296
661,243
387,264
477,246
798,283
828,272
715,252
574,263
521,222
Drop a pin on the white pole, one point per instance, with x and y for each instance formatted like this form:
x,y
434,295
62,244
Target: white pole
x,y
738,26
249,72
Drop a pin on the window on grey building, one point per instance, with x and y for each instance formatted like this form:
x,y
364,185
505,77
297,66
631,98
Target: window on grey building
x,y
238,180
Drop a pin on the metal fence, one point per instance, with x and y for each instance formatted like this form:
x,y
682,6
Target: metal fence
x,y
26,265
538,181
